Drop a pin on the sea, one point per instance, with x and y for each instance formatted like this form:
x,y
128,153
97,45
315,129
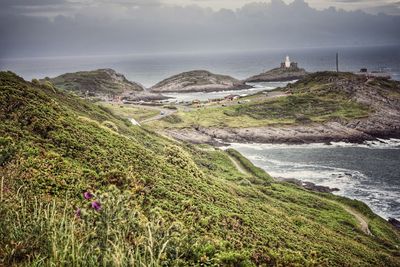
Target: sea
x,y
369,172
148,69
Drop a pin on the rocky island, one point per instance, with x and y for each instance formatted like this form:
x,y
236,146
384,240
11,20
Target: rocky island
x,y
288,71
198,81
106,84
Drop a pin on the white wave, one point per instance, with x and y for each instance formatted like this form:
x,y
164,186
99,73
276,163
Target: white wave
x,y
381,197
392,143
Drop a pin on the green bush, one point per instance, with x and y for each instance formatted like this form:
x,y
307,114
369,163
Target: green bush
x,y
7,149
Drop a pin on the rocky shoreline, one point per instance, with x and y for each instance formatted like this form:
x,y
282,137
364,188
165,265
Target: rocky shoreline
x,y
221,137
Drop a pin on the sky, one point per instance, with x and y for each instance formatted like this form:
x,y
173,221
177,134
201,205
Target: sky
x,y
371,6
39,28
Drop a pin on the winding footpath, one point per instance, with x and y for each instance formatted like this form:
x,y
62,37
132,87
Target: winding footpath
x,y
362,220
359,217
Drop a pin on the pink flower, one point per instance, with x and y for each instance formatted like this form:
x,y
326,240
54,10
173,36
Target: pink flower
x,y
96,205
88,195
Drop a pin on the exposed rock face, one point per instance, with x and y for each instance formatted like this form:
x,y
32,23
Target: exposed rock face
x,y
394,222
198,81
382,95
279,74
97,83
309,186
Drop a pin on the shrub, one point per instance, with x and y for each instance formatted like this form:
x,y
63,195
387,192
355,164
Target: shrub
x,y
172,119
110,125
7,150
35,82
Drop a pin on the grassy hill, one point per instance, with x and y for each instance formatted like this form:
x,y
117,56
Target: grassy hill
x,y
155,201
96,83
198,81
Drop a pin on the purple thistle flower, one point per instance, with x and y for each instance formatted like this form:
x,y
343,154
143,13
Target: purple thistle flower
x,y
96,205
87,195
78,213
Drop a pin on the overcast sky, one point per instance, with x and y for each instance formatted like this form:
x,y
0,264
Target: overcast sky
x,y
372,6
92,27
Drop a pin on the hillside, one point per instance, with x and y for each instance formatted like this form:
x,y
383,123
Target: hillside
x,y
198,81
152,201
279,74
99,82
322,107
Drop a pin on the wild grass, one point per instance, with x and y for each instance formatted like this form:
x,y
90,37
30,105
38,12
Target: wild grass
x,y
54,234
129,111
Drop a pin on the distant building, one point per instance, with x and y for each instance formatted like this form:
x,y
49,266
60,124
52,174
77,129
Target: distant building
x,y
288,65
373,74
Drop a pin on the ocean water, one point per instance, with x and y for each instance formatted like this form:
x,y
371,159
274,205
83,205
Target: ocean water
x,y
204,96
368,172
149,69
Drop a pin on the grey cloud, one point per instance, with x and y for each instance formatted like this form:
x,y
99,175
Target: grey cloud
x,y
134,26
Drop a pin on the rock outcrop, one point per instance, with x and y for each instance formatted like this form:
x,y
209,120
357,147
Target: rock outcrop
x,y
279,74
198,81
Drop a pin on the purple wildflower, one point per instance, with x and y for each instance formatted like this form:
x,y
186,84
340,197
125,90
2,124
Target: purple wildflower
x,y
87,195
78,213
96,205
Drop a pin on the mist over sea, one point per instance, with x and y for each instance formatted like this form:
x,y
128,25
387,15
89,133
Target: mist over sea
x,y
151,68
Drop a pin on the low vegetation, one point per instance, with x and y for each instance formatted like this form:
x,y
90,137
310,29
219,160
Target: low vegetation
x,y
129,111
82,187
313,100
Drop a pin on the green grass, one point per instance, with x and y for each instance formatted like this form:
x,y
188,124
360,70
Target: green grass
x,y
286,110
263,177
293,107
157,195
128,111
315,99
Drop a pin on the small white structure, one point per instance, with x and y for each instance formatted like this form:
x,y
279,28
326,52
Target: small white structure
x,y
288,65
287,62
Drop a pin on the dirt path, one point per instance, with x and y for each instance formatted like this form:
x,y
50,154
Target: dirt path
x,y
238,166
164,112
362,220
359,217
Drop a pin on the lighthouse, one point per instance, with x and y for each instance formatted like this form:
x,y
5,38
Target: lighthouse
x,y
287,62
288,65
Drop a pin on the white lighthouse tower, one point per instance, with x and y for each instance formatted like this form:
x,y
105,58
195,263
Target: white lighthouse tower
x,y
287,62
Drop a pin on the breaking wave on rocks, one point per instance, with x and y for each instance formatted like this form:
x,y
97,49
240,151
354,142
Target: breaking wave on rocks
x,y
367,172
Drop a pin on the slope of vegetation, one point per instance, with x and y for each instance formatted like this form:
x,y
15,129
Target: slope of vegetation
x,y
128,111
151,201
